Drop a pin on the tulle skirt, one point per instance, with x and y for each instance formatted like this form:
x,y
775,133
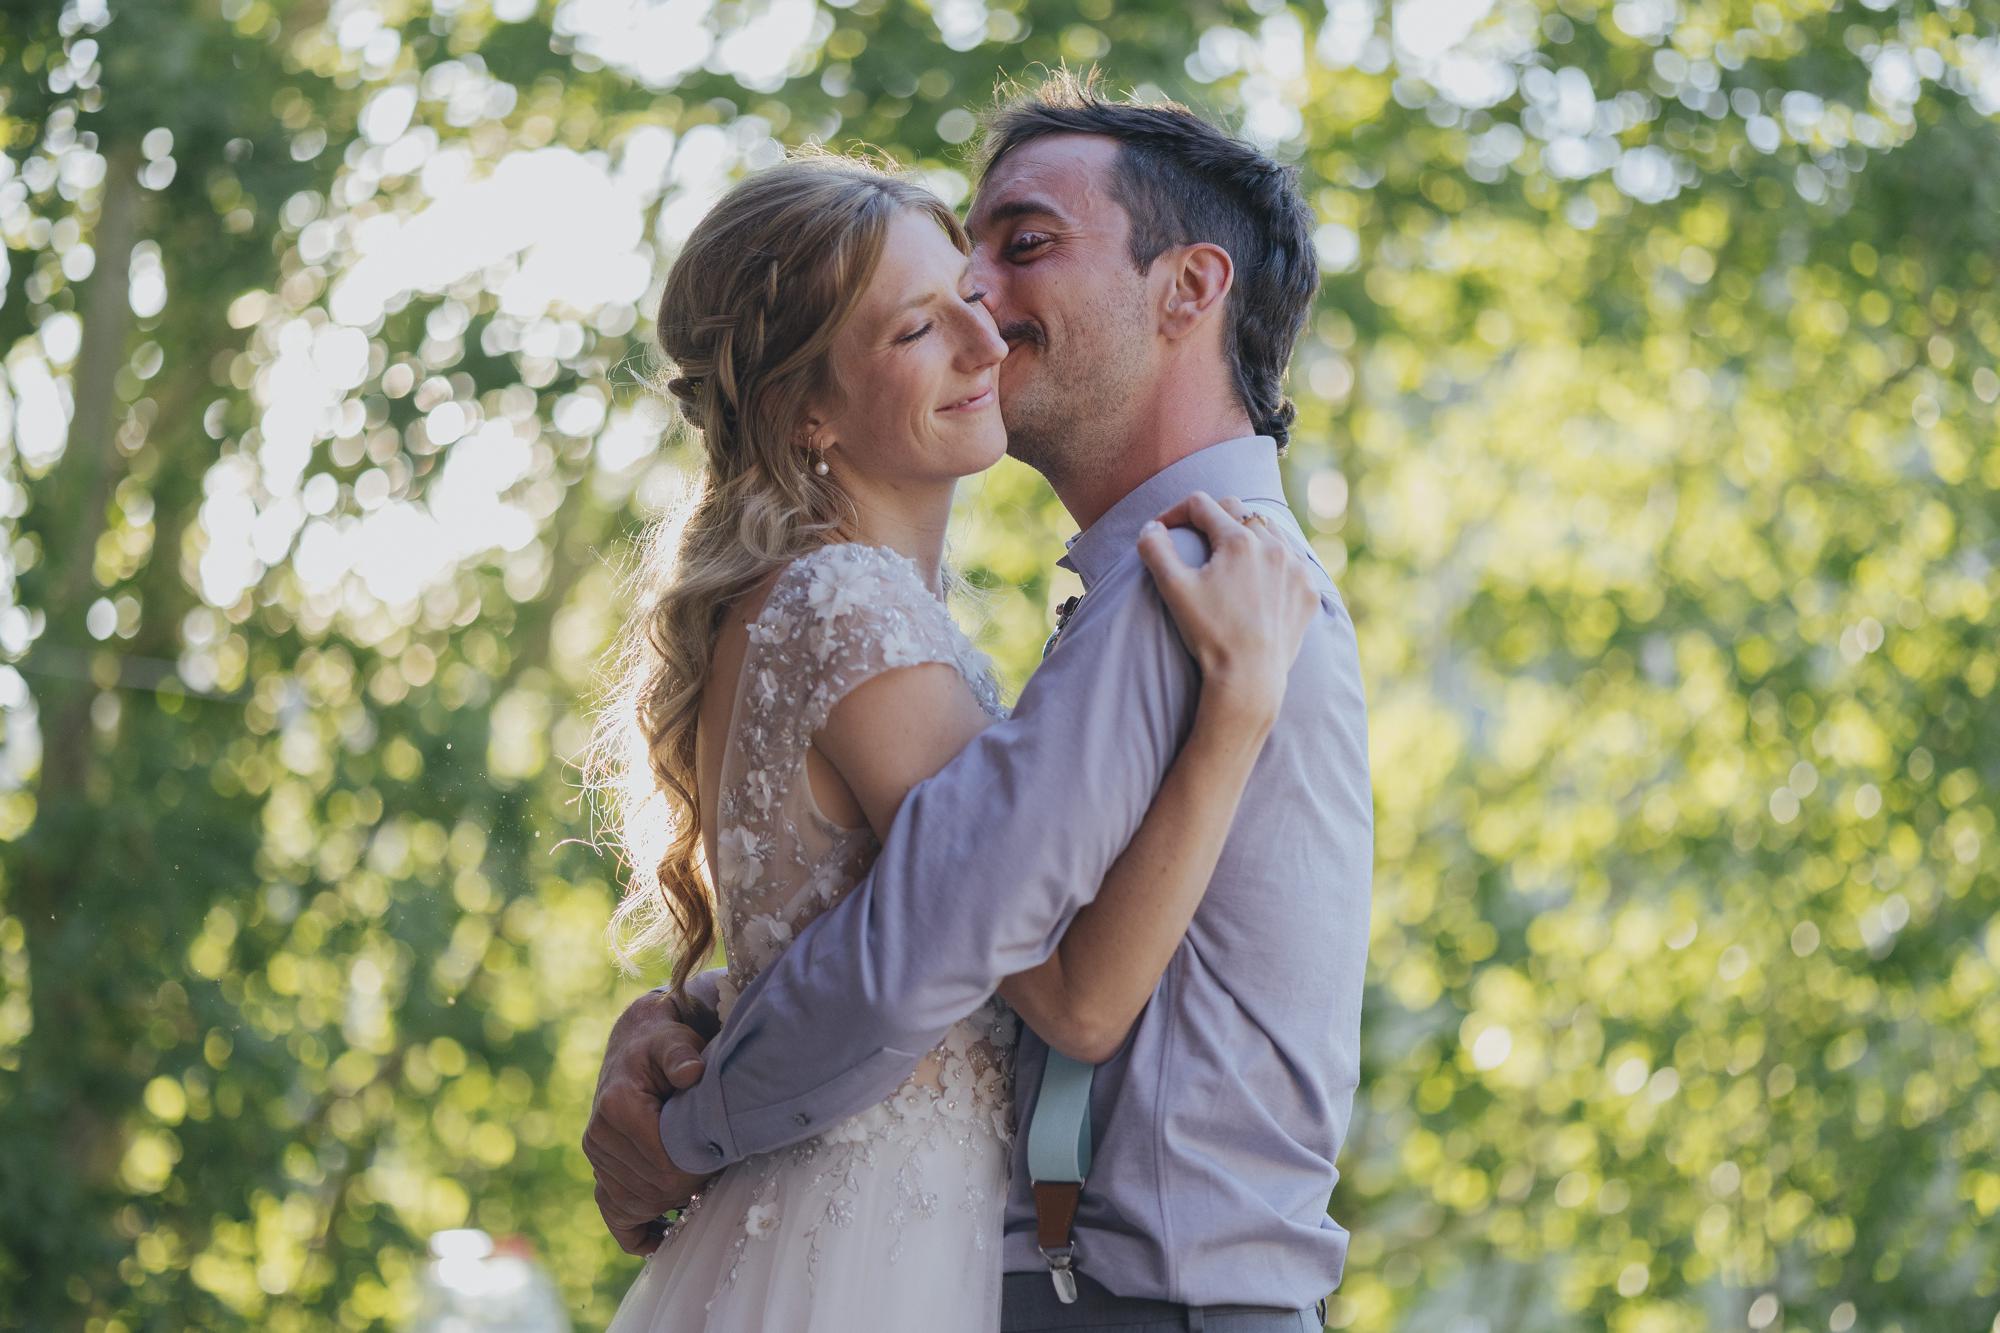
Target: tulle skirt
x,y
886,1223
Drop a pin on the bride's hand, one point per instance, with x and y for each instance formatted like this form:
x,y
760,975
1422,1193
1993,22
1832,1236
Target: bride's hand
x,y
1243,614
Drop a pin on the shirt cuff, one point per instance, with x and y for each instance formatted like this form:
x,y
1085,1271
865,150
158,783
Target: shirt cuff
x,y
695,1131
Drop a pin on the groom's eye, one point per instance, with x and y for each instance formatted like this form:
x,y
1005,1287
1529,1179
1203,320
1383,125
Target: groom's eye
x,y
1025,242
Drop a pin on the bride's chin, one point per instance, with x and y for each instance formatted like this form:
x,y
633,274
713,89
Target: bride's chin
x,y
978,467
984,462
995,445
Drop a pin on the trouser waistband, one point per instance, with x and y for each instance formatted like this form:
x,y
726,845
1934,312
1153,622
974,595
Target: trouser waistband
x,y
1029,1305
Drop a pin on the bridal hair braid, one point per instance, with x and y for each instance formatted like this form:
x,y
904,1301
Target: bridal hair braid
x,y
746,324
1181,181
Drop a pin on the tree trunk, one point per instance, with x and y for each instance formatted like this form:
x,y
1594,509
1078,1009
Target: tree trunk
x,y
53,886
79,488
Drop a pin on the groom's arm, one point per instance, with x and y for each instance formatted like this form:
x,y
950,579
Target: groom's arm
x,y
980,874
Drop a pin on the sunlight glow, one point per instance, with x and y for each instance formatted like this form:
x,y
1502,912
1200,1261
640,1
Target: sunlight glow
x,y
574,224
655,43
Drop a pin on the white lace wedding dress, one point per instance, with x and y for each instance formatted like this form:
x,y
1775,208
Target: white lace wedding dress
x,y
891,1220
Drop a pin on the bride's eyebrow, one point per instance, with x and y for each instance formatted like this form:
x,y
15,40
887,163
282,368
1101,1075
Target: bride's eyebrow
x,y
917,302
924,298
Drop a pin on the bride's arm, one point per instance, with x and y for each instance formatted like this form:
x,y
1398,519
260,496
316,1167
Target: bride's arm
x,y
1242,615
899,728
891,732
1085,998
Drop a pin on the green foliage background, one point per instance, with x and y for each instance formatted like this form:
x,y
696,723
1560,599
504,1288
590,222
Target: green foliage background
x,y
1647,419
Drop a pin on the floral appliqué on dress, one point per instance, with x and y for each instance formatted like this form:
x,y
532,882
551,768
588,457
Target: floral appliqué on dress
x,y
835,618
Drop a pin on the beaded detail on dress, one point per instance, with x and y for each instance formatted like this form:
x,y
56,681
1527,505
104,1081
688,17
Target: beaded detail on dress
x,y
835,618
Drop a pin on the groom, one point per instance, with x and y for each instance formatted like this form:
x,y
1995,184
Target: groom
x,y
1150,275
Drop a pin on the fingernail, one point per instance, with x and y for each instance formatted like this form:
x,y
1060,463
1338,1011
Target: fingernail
x,y
1152,526
686,1066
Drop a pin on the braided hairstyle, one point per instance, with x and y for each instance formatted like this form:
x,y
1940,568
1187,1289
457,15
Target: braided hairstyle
x,y
1181,181
747,321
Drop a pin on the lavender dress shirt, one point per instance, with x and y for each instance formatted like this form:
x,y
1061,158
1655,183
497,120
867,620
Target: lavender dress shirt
x,y
1218,1123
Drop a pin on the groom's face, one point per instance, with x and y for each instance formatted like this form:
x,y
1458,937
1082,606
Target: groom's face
x,y
1051,251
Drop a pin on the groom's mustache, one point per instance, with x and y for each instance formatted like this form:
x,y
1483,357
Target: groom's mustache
x,y
1024,331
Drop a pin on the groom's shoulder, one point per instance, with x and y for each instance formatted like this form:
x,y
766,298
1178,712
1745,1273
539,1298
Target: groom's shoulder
x,y
1127,585
1129,576
1128,573
1189,544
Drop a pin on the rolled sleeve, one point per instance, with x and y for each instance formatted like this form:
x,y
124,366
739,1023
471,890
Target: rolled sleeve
x,y
982,871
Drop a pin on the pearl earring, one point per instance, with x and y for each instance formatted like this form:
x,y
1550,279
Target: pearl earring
x,y
821,468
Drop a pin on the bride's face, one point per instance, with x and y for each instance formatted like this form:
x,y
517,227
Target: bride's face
x,y
917,365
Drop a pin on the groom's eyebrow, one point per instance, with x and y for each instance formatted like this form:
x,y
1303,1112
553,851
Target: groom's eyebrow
x,y
1011,210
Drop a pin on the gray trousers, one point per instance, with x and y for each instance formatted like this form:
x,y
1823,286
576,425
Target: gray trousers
x,y
1028,1304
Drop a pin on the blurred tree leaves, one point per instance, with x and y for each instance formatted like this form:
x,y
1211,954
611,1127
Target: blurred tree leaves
x,y
1647,419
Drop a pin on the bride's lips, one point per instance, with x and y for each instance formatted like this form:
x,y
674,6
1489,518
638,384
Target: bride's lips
x,y
972,404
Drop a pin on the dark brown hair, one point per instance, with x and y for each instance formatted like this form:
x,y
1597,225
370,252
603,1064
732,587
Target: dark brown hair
x,y
1181,181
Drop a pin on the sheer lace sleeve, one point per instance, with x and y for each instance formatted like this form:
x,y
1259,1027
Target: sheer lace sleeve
x,y
834,619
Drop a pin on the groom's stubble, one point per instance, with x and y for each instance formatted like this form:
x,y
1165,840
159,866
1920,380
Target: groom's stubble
x,y
1068,404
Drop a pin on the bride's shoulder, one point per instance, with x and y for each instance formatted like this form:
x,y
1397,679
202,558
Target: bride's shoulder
x,y
847,610
857,560
846,581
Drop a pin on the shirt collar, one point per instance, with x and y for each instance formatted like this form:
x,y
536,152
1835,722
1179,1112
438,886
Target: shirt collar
x,y
1246,468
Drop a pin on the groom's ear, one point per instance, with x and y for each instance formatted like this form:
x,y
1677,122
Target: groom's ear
x,y
1199,279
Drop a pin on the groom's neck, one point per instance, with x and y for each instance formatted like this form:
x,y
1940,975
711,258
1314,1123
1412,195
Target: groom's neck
x,y
1162,434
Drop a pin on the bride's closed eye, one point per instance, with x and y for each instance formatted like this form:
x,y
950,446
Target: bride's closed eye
x,y
977,298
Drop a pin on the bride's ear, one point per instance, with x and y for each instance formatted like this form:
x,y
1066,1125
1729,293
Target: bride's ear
x,y
814,440
1200,279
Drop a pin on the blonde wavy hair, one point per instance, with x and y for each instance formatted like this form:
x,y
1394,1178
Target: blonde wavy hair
x,y
747,323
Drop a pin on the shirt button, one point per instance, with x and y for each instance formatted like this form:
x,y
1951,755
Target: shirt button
x,y
801,1119
715,1151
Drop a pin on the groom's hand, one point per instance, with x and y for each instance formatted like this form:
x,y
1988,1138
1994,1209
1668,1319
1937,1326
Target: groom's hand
x,y
651,1055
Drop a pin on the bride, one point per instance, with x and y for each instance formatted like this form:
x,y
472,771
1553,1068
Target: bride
x,y
793,672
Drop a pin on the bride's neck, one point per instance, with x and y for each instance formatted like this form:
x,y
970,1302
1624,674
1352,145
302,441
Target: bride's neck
x,y
910,524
